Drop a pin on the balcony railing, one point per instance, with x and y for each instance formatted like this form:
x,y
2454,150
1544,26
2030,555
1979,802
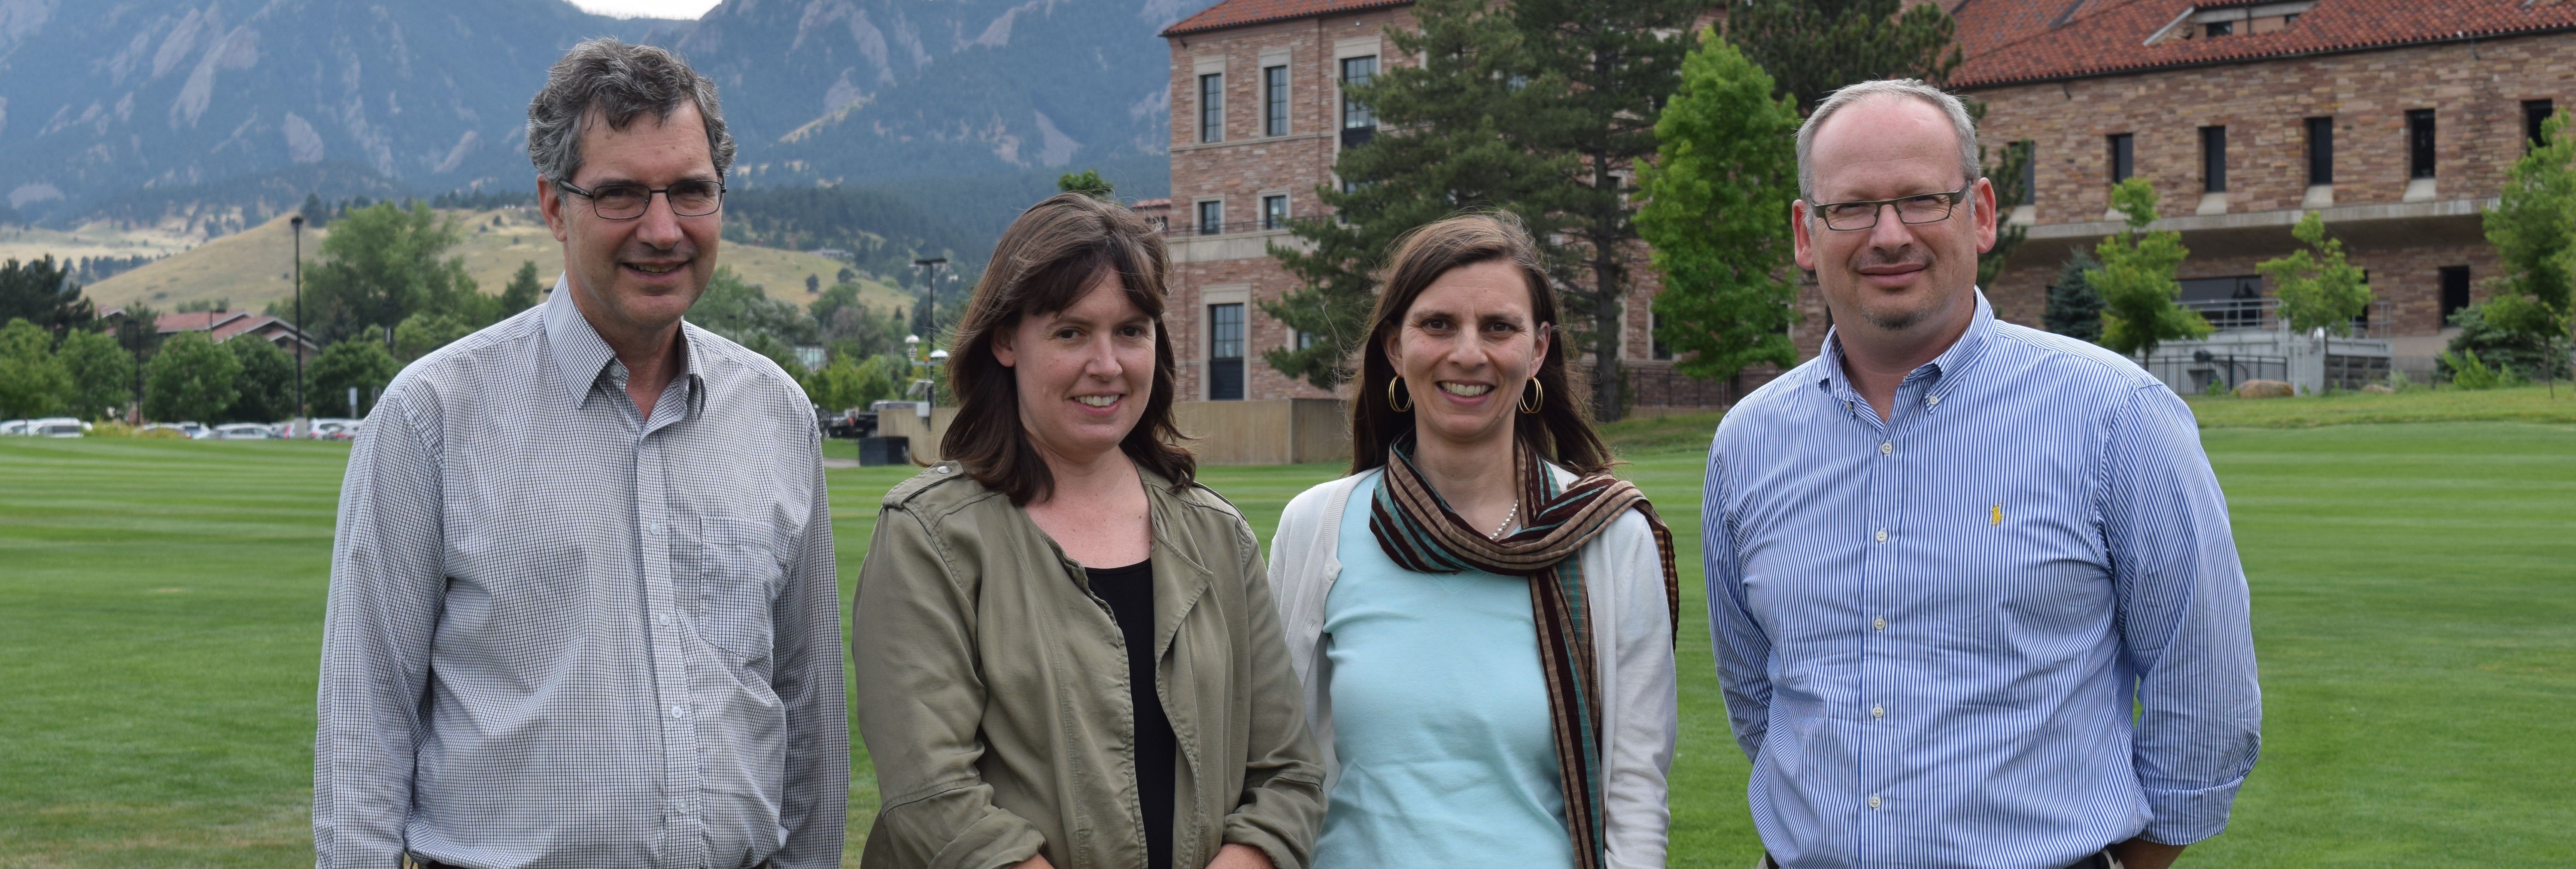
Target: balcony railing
x,y
2230,315
1228,228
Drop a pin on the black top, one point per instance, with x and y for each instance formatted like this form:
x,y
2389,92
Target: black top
x,y
1130,593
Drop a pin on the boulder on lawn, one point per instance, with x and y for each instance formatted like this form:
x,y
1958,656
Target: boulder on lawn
x,y
2264,389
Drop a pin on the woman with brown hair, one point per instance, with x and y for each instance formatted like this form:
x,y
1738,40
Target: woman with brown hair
x,y
1065,653
1482,616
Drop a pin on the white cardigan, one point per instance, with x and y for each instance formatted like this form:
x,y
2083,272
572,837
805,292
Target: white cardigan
x,y
1631,631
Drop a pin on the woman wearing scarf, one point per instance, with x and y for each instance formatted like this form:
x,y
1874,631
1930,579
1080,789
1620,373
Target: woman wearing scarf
x,y
1481,615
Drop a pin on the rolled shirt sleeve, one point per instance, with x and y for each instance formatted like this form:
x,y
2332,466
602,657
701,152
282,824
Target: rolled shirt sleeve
x,y
2183,619
386,590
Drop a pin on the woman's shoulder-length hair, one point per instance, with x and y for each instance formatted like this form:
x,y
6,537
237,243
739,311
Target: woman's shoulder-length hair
x,y
1561,431
1045,261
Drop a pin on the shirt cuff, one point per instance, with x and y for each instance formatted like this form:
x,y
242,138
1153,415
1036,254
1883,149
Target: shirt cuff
x,y
2181,817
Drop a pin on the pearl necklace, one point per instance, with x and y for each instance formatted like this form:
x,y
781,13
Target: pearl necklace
x,y
1507,521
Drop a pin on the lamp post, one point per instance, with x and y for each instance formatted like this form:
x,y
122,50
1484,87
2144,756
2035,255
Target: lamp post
x,y
297,222
930,268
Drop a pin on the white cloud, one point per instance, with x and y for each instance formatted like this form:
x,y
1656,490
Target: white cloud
x,y
690,9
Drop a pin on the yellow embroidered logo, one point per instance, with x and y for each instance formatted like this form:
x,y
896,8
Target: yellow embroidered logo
x,y
1996,516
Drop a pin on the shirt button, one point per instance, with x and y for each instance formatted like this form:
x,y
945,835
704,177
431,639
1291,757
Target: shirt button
x,y
1873,801
1879,624
1877,712
679,711
1885,448
664,618
1934,400
943,469
1882,535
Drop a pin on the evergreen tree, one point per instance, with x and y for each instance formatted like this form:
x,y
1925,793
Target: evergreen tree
x,y
102,373
2316,286
1812,47
523,291
1716,213
2074,308
264,391
358,362
32,381
191,379
2136,279
40,291
315,213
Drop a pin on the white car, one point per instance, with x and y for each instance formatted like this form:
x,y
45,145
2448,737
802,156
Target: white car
x,y
13,427
333,429
243,431
57,427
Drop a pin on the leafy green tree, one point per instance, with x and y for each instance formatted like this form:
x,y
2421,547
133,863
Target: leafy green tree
x,y
848,383
358,362
191,379
265,388
2533,226
102,373
523,291
850,328
381,264
2136,279
739,310
32,381
1441,147
1812,47
2317,287
425,331
1087,182
41,292
1717,202
2074,309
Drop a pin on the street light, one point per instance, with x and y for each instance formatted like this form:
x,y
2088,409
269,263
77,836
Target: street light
x,y
297,222
931,267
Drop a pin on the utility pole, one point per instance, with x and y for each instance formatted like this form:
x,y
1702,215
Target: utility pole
x,y
297,222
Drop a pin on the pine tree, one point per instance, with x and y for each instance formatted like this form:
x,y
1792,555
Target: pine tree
x,y
1716,213
2074,308
522,291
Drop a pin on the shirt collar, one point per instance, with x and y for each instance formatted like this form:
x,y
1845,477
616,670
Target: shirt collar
x,y
1962,355
582,356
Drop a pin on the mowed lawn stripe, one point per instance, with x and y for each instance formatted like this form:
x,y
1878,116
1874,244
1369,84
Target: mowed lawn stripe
x,y
161,604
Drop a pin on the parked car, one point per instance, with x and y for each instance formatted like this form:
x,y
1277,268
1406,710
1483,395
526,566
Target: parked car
x,y
244,431
160,430
13,427
334,429
57,427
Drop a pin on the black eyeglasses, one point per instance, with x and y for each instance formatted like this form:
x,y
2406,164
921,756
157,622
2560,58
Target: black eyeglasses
x,y
1919,208
628,201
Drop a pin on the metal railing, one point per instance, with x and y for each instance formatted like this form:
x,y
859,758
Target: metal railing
x,y
1185,230
2231,315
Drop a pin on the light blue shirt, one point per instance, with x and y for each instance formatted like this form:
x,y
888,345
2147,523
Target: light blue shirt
x,y
1930,629
1440,717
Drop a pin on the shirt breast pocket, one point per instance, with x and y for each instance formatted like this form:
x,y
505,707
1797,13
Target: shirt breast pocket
x,y
739,575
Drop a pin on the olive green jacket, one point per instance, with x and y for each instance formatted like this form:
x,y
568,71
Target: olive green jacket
x,y
992,689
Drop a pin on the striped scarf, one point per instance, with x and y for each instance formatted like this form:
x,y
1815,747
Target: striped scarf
x,y
1416,528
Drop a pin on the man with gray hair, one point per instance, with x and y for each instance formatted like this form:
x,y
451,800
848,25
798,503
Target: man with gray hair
x,y
1946,556
582,607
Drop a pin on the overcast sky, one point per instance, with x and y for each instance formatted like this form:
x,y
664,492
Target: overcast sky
x,y
647,8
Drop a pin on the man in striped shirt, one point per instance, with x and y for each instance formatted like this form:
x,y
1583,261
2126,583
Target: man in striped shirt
x,y
1945,556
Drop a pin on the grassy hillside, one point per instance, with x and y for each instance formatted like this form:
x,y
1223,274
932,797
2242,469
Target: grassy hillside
x,y
252,267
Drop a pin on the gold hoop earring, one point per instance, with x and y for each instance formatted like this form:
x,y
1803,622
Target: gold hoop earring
x,y
1535,401
1390,396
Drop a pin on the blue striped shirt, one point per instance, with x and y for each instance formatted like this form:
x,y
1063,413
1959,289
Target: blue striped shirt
x,y
1931,629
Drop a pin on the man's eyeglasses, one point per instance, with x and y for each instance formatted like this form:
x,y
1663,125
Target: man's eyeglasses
x,y
1863,214
628,201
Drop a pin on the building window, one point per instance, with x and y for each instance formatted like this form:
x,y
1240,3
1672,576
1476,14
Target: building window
x,y
2029,171
1655,340
2320,151
2124,156
2419,143
2213,159
2218,28
2455,291
1211,217
2233,302
1274,212
1212,107
1225,352
2534,114
1274,101
1357,124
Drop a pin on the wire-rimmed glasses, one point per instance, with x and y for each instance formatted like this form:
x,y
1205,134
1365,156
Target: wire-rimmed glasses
x,y
1863,213
693,198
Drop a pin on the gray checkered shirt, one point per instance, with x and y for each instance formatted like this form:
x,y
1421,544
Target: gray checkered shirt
x,y
561,634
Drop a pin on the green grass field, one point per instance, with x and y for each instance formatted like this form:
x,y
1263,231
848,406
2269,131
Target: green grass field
x,y
2414,601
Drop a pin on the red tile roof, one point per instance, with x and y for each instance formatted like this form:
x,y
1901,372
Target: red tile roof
x,y
1238,13
2009,41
